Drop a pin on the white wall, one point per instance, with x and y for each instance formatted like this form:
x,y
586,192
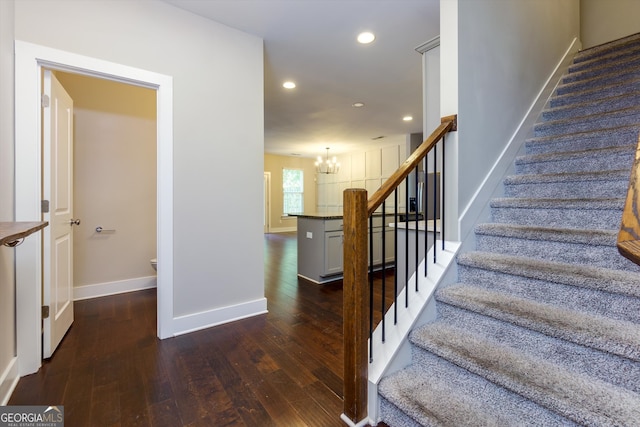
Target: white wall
x,y
603,21
218,133
367,168
506,52
7,273
114,183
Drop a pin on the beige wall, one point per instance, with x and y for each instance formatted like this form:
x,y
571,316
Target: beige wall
x,y
606,20
274,164
7,274
367,168
114,179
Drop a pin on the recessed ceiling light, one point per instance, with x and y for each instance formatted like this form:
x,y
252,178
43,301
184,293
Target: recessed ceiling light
x,y
288,85
366,37
407,118
357,104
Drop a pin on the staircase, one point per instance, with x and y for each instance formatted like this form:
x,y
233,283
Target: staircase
x,y
543,326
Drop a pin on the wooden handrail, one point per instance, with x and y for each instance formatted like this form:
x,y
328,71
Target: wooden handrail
x,y
447,124
629,235
356,212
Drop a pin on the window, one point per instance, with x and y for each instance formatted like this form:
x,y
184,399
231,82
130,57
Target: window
x,y
292,191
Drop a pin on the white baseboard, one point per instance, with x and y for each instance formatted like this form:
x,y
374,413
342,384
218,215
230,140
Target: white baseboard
x,y
207,319
282,229
112,288
8,381
491,185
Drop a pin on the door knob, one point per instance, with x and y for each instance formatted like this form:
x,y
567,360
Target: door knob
x,y
73,222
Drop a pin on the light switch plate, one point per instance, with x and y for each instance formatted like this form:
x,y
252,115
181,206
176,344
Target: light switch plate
x,y
309,235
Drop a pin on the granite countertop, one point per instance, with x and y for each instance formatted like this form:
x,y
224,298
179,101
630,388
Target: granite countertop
x,y
338,215
318,215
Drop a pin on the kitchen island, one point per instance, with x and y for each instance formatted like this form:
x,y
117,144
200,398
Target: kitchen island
x,y
320,245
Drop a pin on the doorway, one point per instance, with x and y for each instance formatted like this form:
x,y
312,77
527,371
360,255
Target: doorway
x,y
30,59
114,170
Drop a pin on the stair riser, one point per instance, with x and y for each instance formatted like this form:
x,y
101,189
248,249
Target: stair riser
x,y
610,79
588,163
632,59
599,139
605,106
619,371
577,253
596,94
568,218
569,190
587,124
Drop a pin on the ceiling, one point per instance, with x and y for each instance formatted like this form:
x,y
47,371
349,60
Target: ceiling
x,y
313,42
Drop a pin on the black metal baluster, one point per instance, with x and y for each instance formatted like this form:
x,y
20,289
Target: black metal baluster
x,y
425,216
395,253
371,288
416,224
442,215
435,198
384,269
406,243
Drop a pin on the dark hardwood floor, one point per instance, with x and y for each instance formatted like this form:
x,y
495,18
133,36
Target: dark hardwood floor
x,y
279,369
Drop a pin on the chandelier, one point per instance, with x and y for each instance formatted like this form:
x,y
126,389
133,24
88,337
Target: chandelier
x,y
327,166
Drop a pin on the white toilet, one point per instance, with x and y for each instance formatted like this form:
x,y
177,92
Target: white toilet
x,y
154,263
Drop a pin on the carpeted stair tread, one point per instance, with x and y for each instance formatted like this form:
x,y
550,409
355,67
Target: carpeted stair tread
x,y
621,117
631,59
619,45
607,175
535,203
591,160
581,398
579,246
618,337
588,94
602,138
567,189
600,106
597,278
616,370
568,235
617,56
440,402
609,78
567,213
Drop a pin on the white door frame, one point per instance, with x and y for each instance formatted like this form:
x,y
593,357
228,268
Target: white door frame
x,y
29,61
267,201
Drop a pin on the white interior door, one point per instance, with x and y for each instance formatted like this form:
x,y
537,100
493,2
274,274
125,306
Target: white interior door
x,y
57,188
